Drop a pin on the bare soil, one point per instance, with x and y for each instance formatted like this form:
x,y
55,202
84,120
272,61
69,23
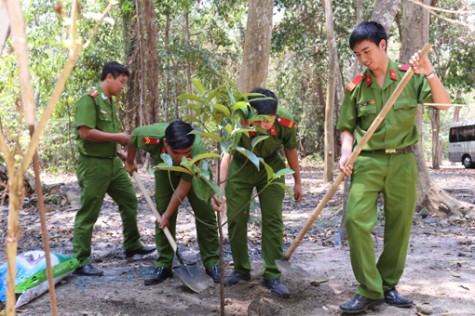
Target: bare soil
x,y
439,274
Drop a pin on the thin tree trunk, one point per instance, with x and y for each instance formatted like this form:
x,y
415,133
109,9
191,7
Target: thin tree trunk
x,y
166,77
436,150
330,100
257,45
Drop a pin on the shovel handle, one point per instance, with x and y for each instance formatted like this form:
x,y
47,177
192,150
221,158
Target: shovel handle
x,y
377,121
154,210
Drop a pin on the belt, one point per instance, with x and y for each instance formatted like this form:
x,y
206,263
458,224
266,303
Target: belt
x,y
87,156
391,151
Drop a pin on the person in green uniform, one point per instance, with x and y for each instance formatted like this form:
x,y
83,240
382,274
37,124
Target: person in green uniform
x,y
243,177
386,164
99,169
171,188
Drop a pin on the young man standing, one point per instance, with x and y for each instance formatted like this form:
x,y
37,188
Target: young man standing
x,y
242,177
386,164
171,188
99,169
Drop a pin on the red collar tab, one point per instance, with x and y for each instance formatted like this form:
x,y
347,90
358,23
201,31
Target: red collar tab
x,y
368,80
392,74
285,122
164,150
273,131
354,82
403,67
150,141
94,93
245,123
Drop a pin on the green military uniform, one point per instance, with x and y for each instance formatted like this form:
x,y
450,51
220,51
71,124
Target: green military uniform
x,y
100,171
243,176
150,139
382,169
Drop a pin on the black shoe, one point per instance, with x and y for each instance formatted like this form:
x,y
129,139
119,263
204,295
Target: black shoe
x,y
89,270
276,287
393,298
143,250
214,273
159,275
235,277
359,304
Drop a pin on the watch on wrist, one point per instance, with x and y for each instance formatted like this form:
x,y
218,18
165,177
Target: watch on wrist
x,y
431,75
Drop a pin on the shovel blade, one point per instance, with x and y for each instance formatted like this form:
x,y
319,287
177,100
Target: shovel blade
x,y
285,267
193,277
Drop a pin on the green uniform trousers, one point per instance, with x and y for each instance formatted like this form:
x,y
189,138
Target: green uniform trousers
x,y
96,177
395,176
205,219
240,184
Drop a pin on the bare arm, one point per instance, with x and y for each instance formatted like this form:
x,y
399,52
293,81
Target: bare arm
x,y
97,136
130,165
346,139
178,196
293,160
424,67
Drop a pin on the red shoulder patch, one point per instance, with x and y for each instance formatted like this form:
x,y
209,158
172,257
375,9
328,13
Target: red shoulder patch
x,y
150,141
354,82
286,122
403,67
94,93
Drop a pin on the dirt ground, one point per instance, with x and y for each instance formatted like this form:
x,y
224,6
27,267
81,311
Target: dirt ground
x,y
439,274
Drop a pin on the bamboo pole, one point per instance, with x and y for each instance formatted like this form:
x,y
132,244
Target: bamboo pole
x,y
16,176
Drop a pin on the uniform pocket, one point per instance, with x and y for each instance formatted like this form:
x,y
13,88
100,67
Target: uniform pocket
x,y
367,114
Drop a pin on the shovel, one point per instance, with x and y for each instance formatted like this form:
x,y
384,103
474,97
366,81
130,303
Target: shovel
x,y
191,275
283,264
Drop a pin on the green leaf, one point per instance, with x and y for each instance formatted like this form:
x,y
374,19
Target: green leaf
x,y
204,156
239,105
198,85
201,189
190,119
249,155
173,168
284,172
167,159
221,108
269,170
256,140
242,130
216,137
195,107
188,96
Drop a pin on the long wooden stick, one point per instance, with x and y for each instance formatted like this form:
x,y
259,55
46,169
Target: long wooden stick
x,y
377,121
154,210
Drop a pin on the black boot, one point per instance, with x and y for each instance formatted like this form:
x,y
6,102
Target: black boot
x,y
393,298
89,270
276,287
235,277
159,275
214,273
142,250
359,304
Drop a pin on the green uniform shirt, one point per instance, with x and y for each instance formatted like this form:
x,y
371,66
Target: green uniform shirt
x,y
282,133
150,139
363,103
95,110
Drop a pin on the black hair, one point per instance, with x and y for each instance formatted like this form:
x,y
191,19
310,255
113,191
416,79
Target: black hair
x,y
368,30
265,107
178,135
115,69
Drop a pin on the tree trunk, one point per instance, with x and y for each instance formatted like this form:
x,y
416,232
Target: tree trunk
x,y
430,196
385,11
257,44
166,71
436,146
142,61
330,101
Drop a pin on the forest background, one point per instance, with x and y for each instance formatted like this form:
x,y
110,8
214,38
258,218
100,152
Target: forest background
x,y
166,44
